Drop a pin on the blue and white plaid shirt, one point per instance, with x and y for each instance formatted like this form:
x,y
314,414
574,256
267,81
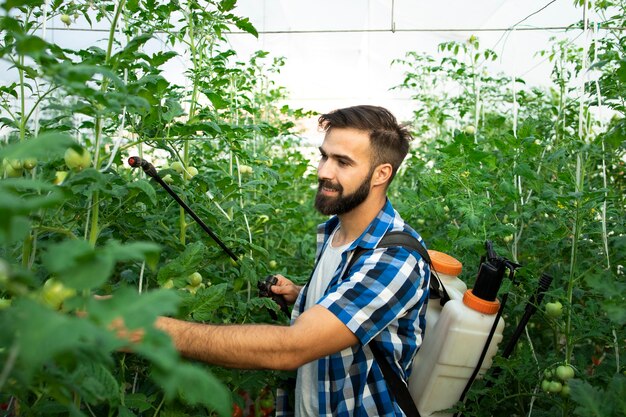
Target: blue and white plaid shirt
x,y
383,301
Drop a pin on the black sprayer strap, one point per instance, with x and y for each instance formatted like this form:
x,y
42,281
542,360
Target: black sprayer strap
x,y
398,387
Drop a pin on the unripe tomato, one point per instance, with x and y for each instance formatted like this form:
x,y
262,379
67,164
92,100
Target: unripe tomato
x,y
77,160
65,18
555,386
469,129
169,284
191,172
554,309
16,164
30,163
168,179
54,293
273,264
245,169
12,172
565,391
194,279
565,372
545,385
177,166
59,177
194,289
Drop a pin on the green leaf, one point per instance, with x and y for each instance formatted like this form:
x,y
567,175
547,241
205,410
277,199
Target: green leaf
x,y
45,147
185,264
206,301
78,265
245,25
95,383
595,402
35,326
194,386
145,187
10,4
137,310
136,251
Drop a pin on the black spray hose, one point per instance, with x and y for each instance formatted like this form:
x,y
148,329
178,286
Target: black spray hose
x,y
150,170
531,308
264,285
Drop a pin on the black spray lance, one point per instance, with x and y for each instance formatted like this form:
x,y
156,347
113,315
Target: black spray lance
x,y
264,285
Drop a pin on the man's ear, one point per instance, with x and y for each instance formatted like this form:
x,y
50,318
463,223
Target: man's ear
x,y
382,174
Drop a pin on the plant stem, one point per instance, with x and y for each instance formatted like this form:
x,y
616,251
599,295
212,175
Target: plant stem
x,y
95,202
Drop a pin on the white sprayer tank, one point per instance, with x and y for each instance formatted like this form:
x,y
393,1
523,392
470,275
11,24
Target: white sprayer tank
x,y
451,349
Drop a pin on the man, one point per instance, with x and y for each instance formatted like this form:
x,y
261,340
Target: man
x,y
381,300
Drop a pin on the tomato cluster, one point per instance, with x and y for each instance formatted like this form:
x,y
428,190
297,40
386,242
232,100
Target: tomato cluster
x,y
555,381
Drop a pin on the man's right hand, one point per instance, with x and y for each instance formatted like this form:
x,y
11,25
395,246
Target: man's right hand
x,y
286,288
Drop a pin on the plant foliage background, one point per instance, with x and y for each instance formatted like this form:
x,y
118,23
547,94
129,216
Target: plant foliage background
x,y
536,171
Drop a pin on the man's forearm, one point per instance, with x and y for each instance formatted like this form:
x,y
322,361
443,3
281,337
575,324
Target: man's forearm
x,y
237,346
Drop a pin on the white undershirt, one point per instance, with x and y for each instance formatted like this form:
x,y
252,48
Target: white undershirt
x,y
306,381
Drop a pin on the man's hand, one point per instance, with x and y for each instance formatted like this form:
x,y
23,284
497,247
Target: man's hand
x,y
286,288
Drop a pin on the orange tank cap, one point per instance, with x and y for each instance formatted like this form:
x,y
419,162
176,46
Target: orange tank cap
x,y
444,263
480,305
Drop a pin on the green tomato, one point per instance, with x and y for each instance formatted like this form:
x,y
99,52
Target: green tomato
x,y
30,163
169,284
469,129
194,279
554,309
12,172
565,372
77,160
177,166
191,172
555,386
545,385
168,179
59,177
273,264
565,391
65,18
16,164
54,293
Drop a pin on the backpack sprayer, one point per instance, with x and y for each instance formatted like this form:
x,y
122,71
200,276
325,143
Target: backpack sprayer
x,y
464,327
263,285
463,333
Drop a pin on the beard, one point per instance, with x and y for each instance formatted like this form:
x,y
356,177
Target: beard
x,y
340,204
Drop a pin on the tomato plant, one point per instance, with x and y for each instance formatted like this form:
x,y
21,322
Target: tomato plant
x,y
546,183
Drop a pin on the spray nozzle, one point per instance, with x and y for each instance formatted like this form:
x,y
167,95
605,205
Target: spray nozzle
x,y
491,273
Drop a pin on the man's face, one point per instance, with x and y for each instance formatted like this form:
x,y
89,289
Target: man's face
x,y
344,171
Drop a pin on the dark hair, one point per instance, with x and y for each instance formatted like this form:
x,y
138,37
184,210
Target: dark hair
x,y
388,139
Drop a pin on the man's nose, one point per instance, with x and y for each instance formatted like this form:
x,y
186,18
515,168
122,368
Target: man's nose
x,y
325,170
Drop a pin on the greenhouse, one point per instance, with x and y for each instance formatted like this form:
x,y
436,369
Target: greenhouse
x,y
167,165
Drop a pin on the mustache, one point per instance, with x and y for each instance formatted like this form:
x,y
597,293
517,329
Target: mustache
x,y
329,185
